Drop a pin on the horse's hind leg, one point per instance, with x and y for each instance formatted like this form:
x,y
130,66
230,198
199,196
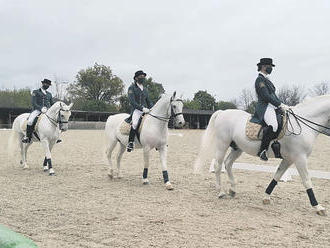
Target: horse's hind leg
x,y
20,137
282,168
109,150
219,156
119,156
233,155
24,158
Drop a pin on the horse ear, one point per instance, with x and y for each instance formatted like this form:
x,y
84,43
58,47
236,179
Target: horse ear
x,y
70,106
173,97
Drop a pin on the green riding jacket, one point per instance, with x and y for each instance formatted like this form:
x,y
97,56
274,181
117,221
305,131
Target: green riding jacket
x,y
40,100
138,99
265,90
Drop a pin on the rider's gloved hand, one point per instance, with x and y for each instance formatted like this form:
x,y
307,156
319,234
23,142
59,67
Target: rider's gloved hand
x,y
44,110
284,107
146,110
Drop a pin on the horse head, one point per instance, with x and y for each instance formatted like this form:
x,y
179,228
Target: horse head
x,y
176,110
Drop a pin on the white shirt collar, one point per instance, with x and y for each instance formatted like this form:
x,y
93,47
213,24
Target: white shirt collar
x,y
43,91
140,86
265,75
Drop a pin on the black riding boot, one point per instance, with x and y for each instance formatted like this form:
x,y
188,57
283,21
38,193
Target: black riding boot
x,y
28,137
131,138
266,139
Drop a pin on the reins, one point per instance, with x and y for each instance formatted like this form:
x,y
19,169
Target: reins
x,y
299,119
173,114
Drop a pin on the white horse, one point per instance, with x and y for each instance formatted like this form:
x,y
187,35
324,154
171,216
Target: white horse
x,y
51,124
154,134
229,126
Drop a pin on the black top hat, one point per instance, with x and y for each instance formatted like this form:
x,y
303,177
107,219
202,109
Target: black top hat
x,y
46,81
266,61
138,73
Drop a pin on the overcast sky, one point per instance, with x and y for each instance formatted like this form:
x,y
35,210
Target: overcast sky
x,y
185,45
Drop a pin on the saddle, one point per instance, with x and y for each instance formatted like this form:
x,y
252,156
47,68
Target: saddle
x,y
254,131
35,125
126,127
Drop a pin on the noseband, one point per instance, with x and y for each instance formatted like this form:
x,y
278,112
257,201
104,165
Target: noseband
x,y
172,115
58,120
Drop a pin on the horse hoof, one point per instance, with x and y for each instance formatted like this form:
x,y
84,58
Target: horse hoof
x,y
320,210
145,181
51,172
169,186
266,201
222,195
26,167
232,193
322,213
45,168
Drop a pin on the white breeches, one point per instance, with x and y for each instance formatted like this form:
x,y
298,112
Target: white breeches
x,y
270,117
32,116
135,118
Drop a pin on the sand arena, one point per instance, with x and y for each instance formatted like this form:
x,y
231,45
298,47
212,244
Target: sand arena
x,y
82,207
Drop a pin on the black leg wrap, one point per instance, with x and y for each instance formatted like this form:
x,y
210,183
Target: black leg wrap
x,y
165,176
311,197
49,163
45,162
271,186
145,173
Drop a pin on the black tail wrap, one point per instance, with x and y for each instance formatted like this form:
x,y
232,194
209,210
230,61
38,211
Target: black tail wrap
x,y
311,197
145,173
165,176
271,186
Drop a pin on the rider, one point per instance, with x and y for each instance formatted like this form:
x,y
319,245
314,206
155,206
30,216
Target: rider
x,y
41,101
140,103
267,103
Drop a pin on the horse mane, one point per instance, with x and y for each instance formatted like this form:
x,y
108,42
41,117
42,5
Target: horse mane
x,y
311,104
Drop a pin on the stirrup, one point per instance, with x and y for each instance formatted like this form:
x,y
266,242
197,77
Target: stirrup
x,y
263,156
130,146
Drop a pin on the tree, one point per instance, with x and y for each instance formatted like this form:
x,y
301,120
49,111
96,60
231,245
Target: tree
x,y
205,100
246,98
20,98
154,89
222,105
320,89
98,86
124,106
291,95
191,104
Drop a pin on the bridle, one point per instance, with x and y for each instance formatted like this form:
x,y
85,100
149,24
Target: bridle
x,y
59,120
172,115
299,119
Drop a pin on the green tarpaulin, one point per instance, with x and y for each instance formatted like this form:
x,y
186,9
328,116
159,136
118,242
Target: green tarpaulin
x,y
10,239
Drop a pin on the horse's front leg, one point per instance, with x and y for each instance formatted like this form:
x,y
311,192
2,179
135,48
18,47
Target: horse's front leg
x,y
163,160
48,158
145,179
301,165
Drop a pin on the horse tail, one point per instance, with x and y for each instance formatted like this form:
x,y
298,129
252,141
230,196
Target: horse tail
x,y
207,148
13,138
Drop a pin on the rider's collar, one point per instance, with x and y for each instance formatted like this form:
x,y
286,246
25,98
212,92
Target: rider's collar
x,y
43,91
263,74
139,85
